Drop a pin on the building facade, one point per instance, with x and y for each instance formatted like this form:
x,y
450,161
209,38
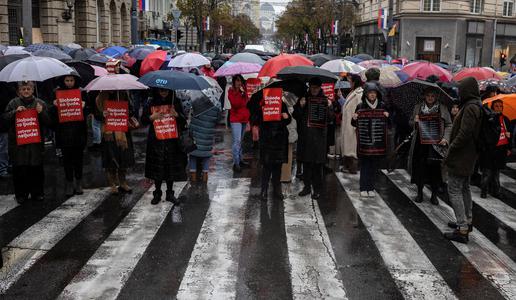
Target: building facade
x,y
469,33
250,8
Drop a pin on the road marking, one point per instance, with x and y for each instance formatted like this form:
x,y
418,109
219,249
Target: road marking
x,y
107,271
498,209
7,203
507,182
491,262
314,271
213,266
414,274
25,250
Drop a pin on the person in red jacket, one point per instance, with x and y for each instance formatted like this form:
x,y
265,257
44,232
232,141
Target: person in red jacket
x,y
207,70
238,117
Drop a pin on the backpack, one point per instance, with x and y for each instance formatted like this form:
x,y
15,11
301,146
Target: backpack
x,y
490,129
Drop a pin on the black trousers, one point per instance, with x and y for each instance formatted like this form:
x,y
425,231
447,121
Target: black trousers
x,y
313,176
268,171
491,181
73,162
170,185
368,167
28,180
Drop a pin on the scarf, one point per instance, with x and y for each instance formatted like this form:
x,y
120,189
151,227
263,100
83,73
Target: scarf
x,y
119,137
430,110
371,105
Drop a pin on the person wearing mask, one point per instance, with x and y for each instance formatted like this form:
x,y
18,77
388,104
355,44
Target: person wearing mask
x,y
273,145
371,100
461,158
238,118
165,160
348,135
494,160
71,138
312,138
27,159
424,162
117,146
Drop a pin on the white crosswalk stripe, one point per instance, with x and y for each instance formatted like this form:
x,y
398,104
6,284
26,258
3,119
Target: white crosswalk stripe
x,y
498,209
33,243
106,272
414,274
7,203
489,260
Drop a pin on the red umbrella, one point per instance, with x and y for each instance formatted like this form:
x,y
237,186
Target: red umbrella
x,y
479,73
276,64
422,70
153,62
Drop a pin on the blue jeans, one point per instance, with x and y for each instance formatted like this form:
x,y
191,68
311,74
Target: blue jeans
x,y
237,130
192,164
97,131
4,153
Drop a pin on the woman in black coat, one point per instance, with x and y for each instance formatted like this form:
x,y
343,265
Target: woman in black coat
x,y
273,145
165,160
71,138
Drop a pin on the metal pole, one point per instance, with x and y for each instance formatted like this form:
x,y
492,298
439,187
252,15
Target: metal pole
x,y
27,22
493,54
389,24
134,22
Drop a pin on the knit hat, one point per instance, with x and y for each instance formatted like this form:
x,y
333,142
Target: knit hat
x,y
111,65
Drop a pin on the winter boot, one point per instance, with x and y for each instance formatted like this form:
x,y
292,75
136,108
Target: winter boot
x,y
419,198
433,198
277,193
156,197
193,177
124,187
457,235
112,179
454,226
205,177
78,187
170,197
69,188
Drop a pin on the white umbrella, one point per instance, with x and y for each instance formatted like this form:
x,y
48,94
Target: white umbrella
x,y
15,50
34,68
388,77
188,60
73,46
338,66
115,82
201,101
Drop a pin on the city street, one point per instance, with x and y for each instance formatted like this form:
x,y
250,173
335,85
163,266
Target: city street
x,y
223,242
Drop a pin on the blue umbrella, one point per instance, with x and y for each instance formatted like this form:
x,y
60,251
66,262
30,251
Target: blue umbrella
x,y
140,53
36,47
174,80
402,75
82,54
353,59
98,59
114,51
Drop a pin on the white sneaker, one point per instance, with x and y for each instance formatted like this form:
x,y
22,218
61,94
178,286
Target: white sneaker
x,y
363,194
371,194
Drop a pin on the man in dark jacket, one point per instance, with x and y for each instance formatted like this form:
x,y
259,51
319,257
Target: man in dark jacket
x,y
461,158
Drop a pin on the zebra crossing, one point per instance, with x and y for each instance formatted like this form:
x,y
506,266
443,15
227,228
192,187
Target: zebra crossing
x,y
212,270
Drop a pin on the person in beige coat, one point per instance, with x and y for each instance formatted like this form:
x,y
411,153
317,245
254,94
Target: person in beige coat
x,y
290,100
348,136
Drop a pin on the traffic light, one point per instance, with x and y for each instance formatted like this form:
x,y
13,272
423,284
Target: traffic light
x,y
179,35
503,59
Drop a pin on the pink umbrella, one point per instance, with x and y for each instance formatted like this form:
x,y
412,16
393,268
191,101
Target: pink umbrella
x,y
128,61
422,70
479,73
374,63
238,68
115,82
99,71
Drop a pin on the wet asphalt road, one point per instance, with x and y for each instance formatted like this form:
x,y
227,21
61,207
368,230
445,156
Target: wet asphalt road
x,y
263,249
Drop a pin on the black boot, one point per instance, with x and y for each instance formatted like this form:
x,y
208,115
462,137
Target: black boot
x,y
306,191
434,199
277,193
483,194
419,198
454,226
157,197
171,197
458,236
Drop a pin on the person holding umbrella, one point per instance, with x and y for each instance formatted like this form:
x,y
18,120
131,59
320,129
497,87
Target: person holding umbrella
x,y
71,137
238,118
424,160
165,159
312,137
26,157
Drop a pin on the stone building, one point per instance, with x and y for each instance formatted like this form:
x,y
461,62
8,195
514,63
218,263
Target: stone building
x,y
470,33
92,22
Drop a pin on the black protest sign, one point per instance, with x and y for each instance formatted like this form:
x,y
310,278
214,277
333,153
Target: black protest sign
x,y
430,129
372,132
317,112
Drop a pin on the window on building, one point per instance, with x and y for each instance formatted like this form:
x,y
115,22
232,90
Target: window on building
x,y
476,6
431,5
508,8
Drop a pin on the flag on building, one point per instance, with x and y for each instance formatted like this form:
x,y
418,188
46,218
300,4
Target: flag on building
x,y
394,27
335,27
382,18
306,37
206,23
143,5
319,33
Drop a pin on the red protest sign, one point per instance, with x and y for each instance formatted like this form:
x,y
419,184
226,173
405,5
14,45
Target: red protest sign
x,y
251,86
165,128
69,105
271,107
329,90
27,127
117,115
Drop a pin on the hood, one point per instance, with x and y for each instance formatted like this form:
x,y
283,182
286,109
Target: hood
x,y
371,86
468,90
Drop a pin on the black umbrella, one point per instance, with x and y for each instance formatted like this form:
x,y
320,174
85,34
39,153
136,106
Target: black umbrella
x,y
217,63
305,73
320,58
363,56
294,86
98,59
406,96
82,54
5,60
174,80
86,71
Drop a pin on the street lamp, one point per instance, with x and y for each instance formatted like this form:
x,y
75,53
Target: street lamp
x,y
67,13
